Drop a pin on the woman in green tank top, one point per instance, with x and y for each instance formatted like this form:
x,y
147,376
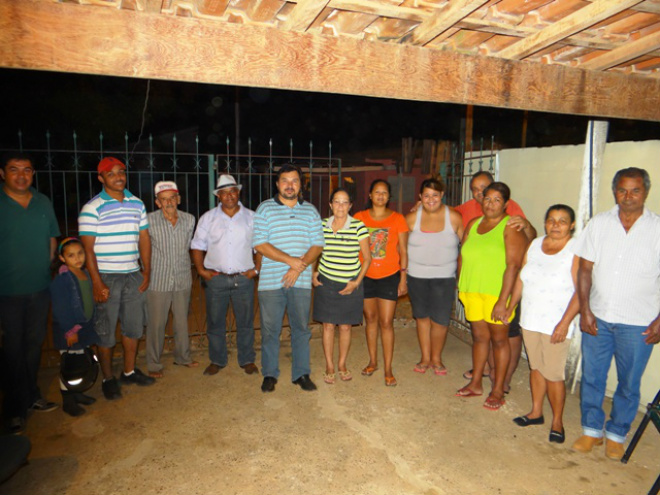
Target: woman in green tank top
x,y
490,259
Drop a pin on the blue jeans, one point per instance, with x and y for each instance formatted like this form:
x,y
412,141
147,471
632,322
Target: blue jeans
x,y
220,290
631,354
23,319
272,305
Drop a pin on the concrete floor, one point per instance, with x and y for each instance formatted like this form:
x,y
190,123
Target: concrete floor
x,y
192,434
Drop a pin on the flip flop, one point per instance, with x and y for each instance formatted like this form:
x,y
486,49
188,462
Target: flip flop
x,y
390,381
156,374
466,392
345,375
439,370
420,368
493,403
191,364
369,370
329,378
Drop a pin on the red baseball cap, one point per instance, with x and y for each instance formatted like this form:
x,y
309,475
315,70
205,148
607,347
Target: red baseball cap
x,y
108,163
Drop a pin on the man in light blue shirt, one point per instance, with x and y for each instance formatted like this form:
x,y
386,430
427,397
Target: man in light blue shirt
x,y
223,256
288,233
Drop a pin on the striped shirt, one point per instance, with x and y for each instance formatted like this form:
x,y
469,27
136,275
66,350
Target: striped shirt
x,y
626,273
170,251
292,230
116,226
340,260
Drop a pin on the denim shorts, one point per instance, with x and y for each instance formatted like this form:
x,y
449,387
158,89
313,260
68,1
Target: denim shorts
x,y
126,304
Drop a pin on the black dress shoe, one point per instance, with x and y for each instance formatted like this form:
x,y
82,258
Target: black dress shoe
x,y
557,436
525,421
269,384
306,383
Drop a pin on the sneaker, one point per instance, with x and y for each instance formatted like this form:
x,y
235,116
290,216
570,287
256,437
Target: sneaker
x,y
43,405
16,425
69,404
83,399
137,377
111,389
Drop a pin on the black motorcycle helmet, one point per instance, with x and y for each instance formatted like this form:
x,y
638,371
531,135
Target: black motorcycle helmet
x,y
78,371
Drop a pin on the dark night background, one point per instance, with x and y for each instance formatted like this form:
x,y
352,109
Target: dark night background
x,y
34,102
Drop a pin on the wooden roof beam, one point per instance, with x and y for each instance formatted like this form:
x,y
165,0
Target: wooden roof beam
x,y
303,14
567,26
624,53
380,9
445,19
66,37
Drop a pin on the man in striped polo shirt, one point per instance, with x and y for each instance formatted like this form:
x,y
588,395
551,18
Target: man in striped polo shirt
x,y
114,231
170,285
288,233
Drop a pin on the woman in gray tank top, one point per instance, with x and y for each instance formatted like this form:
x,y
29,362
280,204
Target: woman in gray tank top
x,y
433,246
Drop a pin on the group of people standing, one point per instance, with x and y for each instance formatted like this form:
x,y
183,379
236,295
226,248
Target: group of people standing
x,y
127,263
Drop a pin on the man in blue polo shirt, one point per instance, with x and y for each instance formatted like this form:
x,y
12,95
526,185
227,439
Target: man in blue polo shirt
x,y
114,231
28,232
289,235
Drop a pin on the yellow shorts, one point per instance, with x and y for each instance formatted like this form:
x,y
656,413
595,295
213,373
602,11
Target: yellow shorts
x,y
480,307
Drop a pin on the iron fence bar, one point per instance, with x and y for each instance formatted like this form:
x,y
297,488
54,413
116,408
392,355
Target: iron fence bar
x,y
311,172
211,171
126,159
49,163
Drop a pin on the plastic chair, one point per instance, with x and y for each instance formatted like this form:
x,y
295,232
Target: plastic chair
x,y
652,414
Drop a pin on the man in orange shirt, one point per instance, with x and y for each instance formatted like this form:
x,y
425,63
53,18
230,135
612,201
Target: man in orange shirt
x,y
472,209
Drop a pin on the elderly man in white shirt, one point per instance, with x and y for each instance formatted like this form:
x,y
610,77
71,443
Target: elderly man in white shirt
x,y
223,256
619,292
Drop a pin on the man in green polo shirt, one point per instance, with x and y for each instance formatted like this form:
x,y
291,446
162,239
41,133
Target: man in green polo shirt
x,y
28,232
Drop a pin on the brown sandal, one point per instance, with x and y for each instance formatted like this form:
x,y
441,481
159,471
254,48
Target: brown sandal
x,y
369,370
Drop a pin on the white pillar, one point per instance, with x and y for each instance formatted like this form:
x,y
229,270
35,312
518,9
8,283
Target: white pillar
x,y
591,167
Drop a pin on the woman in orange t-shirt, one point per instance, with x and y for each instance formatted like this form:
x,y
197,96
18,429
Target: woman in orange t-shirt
x,y
385,281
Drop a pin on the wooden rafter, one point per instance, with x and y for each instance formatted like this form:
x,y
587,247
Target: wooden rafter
x,y
303,15
571,24
443,20
64,37
380,9
624,53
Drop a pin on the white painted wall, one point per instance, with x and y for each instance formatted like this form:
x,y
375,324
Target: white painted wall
x,y
540,177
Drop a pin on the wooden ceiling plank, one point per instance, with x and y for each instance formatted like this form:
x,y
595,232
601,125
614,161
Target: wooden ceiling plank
x,y
380,9
303,14
153,6
567,26
445,19
65,37
624,53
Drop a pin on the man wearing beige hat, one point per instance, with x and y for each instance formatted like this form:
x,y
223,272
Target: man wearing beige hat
x,y
171,231
223,256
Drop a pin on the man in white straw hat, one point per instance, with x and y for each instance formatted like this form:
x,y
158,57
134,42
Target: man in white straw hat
x,y
171,231
223,256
